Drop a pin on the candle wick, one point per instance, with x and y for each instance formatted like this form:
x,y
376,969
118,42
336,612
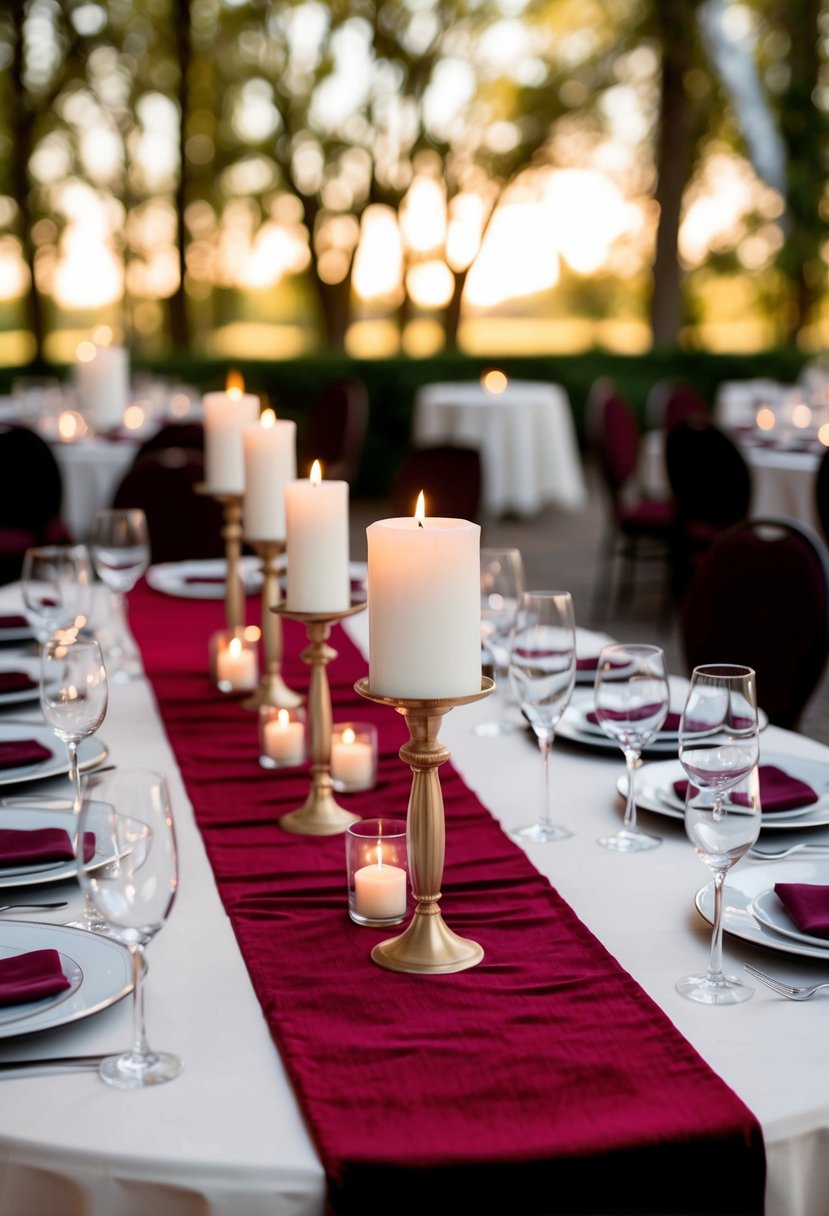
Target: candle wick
x,y
420,523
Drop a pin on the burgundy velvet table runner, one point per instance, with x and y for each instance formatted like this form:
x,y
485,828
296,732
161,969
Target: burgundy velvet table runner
x,y
543,1080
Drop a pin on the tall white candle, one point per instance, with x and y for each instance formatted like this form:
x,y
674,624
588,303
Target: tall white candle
x,y
424,607
270,461
316,524
103,383
225,416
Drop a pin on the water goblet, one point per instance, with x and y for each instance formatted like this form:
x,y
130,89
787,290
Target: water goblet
x,y
56,585
120,553
132,880
719,749
631,700
542,670
502,582
74,696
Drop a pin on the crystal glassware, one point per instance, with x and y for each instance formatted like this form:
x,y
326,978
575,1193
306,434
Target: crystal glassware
x,y
631,700
120,553
132,880
56,585
502,582
542,670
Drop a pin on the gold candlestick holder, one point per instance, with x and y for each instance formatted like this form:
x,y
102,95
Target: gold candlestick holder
x,y
321,814
272,688
232,536
427,946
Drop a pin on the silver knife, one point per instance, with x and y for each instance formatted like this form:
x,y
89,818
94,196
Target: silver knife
x,y
18,1068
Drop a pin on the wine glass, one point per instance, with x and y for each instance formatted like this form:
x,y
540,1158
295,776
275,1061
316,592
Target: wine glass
x,y
502,582
542,671
56,585
719,749
121,553
74,697
132,881
631,699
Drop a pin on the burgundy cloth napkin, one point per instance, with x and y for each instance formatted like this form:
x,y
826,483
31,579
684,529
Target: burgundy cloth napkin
x,y
807,904
15,753
779,791
13,622
205,578
31,976
19,846
670,724
16,681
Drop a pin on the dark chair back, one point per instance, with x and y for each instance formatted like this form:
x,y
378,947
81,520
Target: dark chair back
x,y
760,597
822,494
708,474
671,401
31,498
174,435
335,431
448,474
613,436
183,524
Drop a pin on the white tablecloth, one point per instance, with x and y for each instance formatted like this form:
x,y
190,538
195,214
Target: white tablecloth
x,y
227,1139
525,434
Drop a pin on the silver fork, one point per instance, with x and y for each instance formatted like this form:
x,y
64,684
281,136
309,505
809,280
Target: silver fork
x,y
788,990
756,854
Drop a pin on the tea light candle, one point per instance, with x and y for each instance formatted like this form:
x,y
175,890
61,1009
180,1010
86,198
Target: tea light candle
x,y
236,666
380,892
424,607
316,523
270,461
352,759
283,739
225,416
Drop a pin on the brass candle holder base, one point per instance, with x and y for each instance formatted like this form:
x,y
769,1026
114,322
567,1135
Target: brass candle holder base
x,y
427,946
320,814
232,536
272,688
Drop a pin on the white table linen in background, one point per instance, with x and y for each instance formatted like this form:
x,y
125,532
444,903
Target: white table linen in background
x,y
91,470
227,1139
525,434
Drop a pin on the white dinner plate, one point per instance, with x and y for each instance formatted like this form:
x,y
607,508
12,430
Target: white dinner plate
x,y
744,885
15,1013
181,579
654,791
769,911
91,753
33,815
15,633
105,972
577,727
30,665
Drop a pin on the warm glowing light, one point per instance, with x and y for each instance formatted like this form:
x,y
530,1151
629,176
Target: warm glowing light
x,y
420,509
86,351
134,417
179,405
234,647
823,434
268,418
378,262
316,473
423,215
102,335
517,257
70,426
765,418
494,381
802,415
283,718
348,736
235,384
252,633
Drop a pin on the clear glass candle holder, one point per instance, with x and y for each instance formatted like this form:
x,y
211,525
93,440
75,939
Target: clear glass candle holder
x,y
353,756
283,737
234,660
378,871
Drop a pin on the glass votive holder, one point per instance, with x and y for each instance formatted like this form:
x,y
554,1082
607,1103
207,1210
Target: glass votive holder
x,y
378,871
353,756
234,660
282,737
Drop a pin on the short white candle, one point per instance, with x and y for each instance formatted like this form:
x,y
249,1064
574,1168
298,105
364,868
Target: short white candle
x,y
284,739
103,382
352,759
236,666
270,461
424,607
225,416
380,892
316,523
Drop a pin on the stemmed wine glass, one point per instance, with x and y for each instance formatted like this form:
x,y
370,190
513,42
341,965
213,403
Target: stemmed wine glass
x,y
502,582
719,748
631,699
121,553
73,696
132,881
542,670
56,585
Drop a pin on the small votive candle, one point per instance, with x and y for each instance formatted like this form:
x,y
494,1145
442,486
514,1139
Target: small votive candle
x,y
281,737
234,661
378,871
353,756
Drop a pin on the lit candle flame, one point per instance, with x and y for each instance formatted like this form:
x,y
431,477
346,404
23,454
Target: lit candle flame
x,y
348,736
69,425
86,351
316,473
234,647
494,381
134,417
379,852
268,418
765,418
234,385
420,509
283,718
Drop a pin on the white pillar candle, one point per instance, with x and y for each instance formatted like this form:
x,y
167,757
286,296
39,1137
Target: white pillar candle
x,y
284,739
380,892
225,416
424,607
270,461
352,759
316,525
103,382
236,666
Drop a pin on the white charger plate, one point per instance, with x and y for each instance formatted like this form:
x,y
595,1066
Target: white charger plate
x,y
181,579
769,911
50,813
91,753
25,1010
105,973
742,888
654,791
15,633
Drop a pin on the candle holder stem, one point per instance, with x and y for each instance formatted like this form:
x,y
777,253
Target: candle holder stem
x,y
320,814
427,946
272,688
232,534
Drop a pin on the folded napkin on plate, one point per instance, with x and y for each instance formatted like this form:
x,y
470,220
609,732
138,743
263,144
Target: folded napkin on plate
x,y
30,977
20,846
16,681
807,904
779,791
670,724
13,622
205,578
14,753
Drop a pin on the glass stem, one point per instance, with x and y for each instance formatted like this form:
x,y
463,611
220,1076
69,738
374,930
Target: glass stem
x,y
74,775
140,1046
546,815
119,618
631,760
715,960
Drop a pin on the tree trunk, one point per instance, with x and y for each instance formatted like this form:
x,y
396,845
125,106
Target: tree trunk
x,y
452,316
178,316
22,123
